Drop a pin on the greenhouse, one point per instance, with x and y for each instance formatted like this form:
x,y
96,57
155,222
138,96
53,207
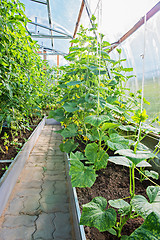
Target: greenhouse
x,y
79,120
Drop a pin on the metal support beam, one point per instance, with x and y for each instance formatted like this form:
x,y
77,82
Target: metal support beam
x,y
78,20
84,3
36,31
49,28
51,54
37,1
150,14
53,51
57,60
50,19
49,36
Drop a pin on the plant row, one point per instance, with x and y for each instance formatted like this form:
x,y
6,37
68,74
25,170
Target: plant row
x,y
103,121
26,81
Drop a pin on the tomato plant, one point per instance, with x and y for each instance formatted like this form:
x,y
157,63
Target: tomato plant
x,y
26,81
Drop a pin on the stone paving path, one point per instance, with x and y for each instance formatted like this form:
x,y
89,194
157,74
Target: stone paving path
x,y
39,205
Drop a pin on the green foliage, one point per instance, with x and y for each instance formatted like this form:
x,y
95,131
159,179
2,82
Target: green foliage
x,y
82,176
24,84
69,131
137,157
151,174
118,203
109,125
96,121
149,230
98,157
68,146
140,117
117,142
96,215
57,114
76,156
142,206
70,107
100,113
126,162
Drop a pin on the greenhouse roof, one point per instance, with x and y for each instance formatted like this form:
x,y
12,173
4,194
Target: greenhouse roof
x,y
53,22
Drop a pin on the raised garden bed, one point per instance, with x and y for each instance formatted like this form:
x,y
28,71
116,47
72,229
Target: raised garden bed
x,y
10,148
112,183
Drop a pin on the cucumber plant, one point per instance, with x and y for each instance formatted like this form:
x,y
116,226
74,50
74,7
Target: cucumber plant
x,y
99,112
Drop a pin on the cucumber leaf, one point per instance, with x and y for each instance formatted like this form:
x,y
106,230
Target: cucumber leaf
x,y
68,146
76,156
149,230
137,157
96,121
81,176
95,214
118,203
141,205
57,114
98,157
151,174
70,107
69,131
109,125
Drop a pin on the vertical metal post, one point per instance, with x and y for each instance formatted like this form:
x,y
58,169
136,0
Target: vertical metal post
x,y
143,59
50,20
44,55
44,58
78,20
57,60
36,25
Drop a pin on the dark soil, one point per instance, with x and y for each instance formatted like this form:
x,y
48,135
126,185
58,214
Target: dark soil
x,y
111,183
10,150
3,168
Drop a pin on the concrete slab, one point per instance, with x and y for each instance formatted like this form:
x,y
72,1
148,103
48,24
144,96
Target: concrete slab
x,y
50,208
45,227
19,221
35,184
30,205
19,233
40,208
59,224
37,159
15,206
55,166
55,177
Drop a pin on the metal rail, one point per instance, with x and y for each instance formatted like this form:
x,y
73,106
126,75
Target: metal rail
x,y
78,20
55,52
150,14
50,28
37,1
84,3
50,20
50,36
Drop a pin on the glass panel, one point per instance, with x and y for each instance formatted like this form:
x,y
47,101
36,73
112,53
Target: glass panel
x,y
133,50
36,10
64,15
116,17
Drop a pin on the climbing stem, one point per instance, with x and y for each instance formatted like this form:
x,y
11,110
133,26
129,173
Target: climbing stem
x,y
133,180
130,181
